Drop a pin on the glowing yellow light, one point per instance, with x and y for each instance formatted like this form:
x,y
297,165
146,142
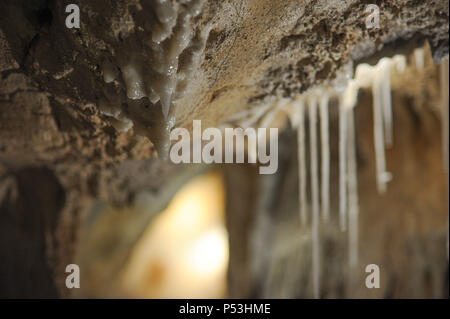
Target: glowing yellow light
x,y
208,254
184,253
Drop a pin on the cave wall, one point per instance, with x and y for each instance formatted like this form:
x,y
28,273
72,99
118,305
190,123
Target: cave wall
x,y
59,154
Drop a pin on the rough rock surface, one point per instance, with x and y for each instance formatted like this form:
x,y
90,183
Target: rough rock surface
x,y
253,49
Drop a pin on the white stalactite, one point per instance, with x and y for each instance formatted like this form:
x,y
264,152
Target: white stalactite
x,y
352,191
347,103
385,70
342,165
325,157
302,161
312,111
380,157
419,58
399,61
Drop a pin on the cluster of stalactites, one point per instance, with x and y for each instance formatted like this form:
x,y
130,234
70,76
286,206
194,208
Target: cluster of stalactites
x,y
313,106
346,92
157,74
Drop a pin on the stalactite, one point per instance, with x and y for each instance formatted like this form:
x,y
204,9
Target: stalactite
x,y
312,111
380,156
325,157
302,160
347,102
385,73
419,58
342,165
399,61
352,191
